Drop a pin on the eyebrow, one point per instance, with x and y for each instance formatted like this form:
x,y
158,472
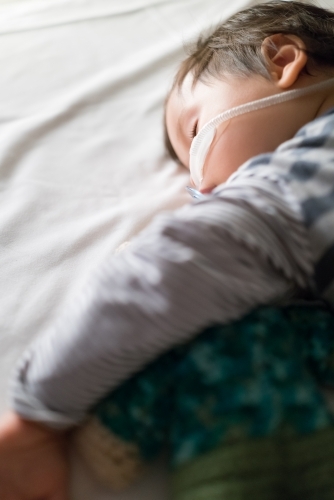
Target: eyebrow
x,y
179,124
168,145
167,142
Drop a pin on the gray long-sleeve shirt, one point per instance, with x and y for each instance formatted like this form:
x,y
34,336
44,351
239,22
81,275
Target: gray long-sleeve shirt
x,y
263,236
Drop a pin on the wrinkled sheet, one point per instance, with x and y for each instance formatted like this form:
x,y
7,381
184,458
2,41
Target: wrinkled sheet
x,y
82,163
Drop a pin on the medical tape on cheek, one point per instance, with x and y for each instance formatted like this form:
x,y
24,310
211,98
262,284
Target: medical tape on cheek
x,y
202,142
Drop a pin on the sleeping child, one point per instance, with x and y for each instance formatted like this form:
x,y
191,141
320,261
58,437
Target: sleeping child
x,y
212,332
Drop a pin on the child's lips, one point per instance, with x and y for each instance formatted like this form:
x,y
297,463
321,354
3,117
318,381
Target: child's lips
x,y
207,190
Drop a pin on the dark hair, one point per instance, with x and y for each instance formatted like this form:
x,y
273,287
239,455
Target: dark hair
x,y
234,46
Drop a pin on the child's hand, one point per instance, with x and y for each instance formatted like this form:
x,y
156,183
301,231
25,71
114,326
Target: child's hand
x,y
33,461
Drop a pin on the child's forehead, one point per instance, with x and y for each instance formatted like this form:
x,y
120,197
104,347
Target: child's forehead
x,y
186,92
177,100
183,88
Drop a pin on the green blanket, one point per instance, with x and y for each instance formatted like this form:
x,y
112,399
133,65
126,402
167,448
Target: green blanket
x,y
231,406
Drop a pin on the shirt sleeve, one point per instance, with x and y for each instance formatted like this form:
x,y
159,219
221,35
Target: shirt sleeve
x,y
210,262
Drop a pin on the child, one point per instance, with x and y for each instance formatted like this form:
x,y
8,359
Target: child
x,y
264,235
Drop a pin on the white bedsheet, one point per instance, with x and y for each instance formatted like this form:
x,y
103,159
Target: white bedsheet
x,y
82,164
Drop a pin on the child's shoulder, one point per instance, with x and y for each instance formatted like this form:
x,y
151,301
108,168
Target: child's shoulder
x,y
315,133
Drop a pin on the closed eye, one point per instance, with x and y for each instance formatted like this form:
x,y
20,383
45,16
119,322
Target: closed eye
x,y
193,132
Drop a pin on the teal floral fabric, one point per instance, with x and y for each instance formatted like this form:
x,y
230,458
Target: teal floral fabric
x,y
255,377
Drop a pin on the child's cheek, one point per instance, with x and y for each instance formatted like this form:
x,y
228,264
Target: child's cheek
x,y
243,138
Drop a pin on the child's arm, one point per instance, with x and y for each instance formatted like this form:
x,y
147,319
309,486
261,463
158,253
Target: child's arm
x,y
208,263
33,461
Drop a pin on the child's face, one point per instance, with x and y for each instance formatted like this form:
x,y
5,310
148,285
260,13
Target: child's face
x,y
237,140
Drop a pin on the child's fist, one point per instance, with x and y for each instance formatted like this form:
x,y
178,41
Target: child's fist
x,y
33,461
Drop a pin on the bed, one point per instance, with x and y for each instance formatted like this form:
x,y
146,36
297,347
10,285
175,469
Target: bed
x,y
82,163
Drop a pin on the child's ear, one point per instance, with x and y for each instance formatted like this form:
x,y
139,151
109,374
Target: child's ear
x,y
285,56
